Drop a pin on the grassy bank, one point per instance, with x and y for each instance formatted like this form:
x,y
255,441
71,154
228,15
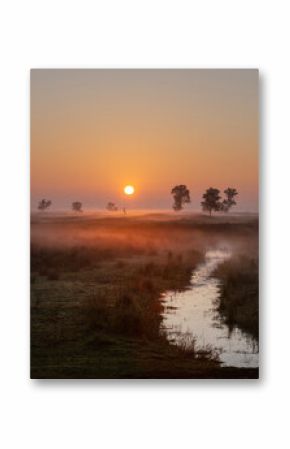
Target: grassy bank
x,y
239,301
102,319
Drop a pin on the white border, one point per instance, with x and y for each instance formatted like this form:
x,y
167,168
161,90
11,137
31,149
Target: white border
x,y
219,414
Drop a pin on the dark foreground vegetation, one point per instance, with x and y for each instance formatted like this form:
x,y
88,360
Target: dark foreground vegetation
x,y
95,295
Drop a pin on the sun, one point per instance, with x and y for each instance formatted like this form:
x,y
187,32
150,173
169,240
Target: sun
x,y
129,190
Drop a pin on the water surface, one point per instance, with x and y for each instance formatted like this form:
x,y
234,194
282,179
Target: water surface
x,y
193,314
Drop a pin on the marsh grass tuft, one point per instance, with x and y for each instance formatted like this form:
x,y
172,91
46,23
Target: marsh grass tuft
x,y
239,300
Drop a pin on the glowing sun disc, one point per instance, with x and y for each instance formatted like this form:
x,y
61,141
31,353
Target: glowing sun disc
x,y
129,190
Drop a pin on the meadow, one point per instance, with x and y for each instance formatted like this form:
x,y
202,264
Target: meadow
x,y
96,285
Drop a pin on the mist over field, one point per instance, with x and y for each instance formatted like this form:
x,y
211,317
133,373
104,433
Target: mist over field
x,y
139,231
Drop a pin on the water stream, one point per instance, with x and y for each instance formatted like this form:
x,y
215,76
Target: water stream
x,y
192,314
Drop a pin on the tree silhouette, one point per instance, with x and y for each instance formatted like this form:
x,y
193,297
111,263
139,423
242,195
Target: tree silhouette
x,y
112,207
229,201
181,196
211,200
77,206
44,204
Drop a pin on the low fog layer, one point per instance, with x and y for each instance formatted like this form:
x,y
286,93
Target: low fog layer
x,y
153,232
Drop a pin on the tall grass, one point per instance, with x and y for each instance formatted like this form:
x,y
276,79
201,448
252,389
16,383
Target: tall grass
x,y
239,300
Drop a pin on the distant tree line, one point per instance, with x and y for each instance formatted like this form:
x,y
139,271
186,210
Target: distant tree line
x,y
211,201
77,206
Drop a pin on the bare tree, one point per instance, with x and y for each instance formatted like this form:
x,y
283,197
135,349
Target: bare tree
x,y
211,200
229,201
112,207
44,204
77,206
181,196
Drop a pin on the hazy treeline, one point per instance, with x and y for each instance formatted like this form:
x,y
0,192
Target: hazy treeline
x,y
211,201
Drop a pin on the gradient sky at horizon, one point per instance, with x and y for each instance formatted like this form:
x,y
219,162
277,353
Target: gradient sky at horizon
x,y
94,131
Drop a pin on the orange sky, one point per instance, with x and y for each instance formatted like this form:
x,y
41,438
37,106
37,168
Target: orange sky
x,y
94,131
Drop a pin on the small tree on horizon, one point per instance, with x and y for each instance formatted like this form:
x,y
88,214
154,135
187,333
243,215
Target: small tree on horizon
x,y
112,207
229,201
77,206
181,196
44,204
211,200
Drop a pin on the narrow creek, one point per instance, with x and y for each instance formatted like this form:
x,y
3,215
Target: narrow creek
x,y
192,314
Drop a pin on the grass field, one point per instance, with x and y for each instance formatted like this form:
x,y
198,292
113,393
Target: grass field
x,y
96,283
